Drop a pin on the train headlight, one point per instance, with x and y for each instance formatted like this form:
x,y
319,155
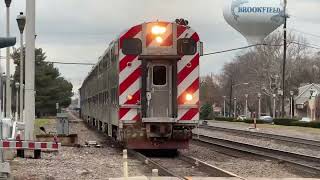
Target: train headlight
x,y
129,97
189,97
159,39
157,30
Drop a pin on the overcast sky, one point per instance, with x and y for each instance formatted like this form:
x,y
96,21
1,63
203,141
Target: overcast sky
x,y
80,30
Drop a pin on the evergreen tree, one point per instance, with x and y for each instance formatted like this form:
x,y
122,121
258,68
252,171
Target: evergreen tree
x,y
50,87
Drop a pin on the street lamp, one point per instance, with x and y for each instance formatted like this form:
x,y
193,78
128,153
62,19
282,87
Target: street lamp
x,y
8,90
4,78
8,3
291,106
21,20
280,94
274,105
259,108
17,100
231,92
246,110
224,106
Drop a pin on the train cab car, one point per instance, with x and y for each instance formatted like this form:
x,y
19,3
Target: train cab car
x,y
144,91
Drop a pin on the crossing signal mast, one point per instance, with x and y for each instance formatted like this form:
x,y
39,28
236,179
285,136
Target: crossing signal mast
x,y
4,43
7,42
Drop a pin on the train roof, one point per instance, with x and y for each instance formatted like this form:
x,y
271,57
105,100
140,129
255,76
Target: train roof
x,y
118,37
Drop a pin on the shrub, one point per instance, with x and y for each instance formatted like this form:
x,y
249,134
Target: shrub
x,y
279,121
205,112
306,124
251,121
284,121
230,119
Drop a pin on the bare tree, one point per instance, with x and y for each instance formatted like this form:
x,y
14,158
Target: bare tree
x,y
261,67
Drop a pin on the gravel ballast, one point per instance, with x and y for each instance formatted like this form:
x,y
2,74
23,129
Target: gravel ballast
x,y
78,163
293,131
263,142
241,164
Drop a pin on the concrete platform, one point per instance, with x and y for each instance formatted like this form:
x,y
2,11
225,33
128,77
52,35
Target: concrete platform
x,y
294,131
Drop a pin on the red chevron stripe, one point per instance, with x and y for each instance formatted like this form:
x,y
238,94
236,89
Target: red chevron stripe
x,y
137,117
123,63
149,39
130,33
191,90
187,70
190,114
135,98
130,80
168,41
195,37
180,30
123,111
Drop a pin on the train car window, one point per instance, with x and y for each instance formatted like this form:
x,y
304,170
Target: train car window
x,y
159,75
132,46
187,46
105,62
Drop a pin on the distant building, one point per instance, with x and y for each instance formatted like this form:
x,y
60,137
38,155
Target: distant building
x,y
307,103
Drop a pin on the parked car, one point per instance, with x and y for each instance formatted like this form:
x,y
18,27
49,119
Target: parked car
x,y
305,119
242,117
267,119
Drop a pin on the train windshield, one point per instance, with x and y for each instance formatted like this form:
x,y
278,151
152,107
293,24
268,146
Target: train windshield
x,y
159,75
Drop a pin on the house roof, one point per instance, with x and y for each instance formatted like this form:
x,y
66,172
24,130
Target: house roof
x,y
304,93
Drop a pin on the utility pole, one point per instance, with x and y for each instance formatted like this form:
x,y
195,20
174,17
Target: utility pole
x,y
284,56
30,70
8,87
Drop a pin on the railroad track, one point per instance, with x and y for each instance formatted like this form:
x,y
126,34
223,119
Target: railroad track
x,y
182,166
310,164
308,142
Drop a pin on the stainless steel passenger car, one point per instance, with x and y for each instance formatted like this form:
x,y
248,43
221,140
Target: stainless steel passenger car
x,y
144,91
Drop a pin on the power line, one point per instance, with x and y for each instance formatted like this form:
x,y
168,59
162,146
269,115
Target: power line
x,y
310,34
314,46
235,49
71,63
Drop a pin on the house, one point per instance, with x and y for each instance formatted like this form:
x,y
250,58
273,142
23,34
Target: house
x,y
307,103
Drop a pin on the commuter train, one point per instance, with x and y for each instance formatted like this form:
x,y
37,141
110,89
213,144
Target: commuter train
x,y
144,91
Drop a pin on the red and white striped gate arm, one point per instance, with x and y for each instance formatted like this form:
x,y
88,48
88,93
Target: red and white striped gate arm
x,y
29,145
188,78
129,78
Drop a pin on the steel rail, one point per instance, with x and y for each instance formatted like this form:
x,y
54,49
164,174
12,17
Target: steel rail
x,y
302,141
308,163
217,172
163,171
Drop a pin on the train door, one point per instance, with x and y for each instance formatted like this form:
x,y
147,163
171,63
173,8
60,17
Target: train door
x,y
159,91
